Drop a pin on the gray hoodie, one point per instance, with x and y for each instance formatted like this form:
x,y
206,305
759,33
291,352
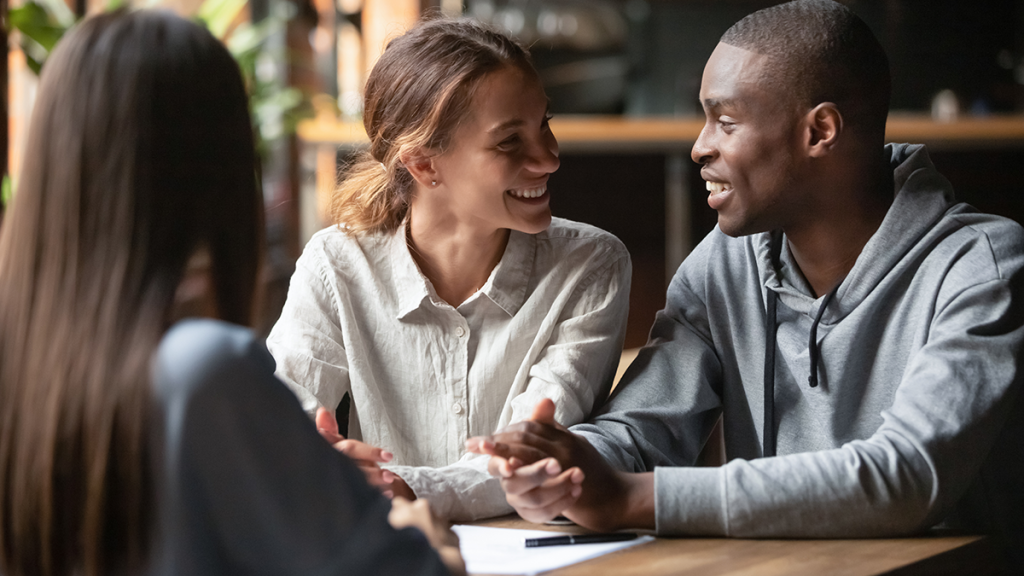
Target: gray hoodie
x,y
915,419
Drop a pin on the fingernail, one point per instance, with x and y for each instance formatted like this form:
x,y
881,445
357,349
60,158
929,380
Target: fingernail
x,y
576,491
389,494
386,456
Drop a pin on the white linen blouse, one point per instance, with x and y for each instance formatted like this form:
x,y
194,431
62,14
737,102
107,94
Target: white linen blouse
x,y
423,376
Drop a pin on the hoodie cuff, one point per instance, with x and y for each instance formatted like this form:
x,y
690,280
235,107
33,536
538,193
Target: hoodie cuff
x,y
690,501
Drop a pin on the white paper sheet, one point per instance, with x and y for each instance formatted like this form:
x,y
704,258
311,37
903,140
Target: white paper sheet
x,y
503,550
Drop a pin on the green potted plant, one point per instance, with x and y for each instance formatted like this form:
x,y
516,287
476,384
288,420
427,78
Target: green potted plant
x,y
276,108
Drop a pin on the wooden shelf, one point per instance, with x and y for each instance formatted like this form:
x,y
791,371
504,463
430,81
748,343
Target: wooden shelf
x,y
624,134
671,136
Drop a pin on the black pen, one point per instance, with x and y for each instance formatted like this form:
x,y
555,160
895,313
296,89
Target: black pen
x,y
581,539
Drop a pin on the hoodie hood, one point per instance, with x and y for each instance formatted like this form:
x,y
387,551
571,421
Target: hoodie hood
x,y
921,197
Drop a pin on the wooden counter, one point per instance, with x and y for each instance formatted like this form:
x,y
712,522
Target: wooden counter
x,y
617,133
671,136
727,556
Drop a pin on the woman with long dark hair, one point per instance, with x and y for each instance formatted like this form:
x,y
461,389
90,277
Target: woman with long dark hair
x,y
131,440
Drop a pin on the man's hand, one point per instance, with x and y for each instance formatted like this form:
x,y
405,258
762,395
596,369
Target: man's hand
x,y
546,470
367,457
542,490
418,515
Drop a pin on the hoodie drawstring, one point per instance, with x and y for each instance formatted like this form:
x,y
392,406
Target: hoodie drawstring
x,y
771,327
812,345
768,441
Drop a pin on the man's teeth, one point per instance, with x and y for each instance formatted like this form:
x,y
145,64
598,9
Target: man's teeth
x,y
531,193
716,187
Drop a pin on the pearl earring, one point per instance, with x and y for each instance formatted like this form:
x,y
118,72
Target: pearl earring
x,y
433,182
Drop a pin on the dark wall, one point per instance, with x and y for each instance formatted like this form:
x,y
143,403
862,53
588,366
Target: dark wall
x,y
624,194
975,48
992,180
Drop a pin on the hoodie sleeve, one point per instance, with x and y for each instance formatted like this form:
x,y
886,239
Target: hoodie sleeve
x,y
947,412
949,406
669,399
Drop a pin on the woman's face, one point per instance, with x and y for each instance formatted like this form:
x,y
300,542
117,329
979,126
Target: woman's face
x,y
495,171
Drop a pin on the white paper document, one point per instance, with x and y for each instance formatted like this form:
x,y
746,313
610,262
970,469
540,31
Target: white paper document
x,y
504,551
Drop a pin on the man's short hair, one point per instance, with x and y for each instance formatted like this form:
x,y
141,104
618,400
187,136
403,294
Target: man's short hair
x,y
820,51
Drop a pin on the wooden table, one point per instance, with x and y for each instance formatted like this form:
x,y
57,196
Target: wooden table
x,y
931,554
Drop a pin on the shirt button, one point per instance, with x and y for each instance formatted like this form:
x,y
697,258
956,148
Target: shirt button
x,y
460,331
457,408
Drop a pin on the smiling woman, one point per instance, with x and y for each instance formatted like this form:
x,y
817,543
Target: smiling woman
x,y
447,301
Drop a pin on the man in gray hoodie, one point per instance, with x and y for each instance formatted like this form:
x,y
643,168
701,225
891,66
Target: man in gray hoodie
x,y
859,331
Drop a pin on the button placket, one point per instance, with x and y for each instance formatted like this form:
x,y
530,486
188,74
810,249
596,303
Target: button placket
x,y
460,374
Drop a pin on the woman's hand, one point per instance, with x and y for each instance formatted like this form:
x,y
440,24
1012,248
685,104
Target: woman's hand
x,y
418,515
368,458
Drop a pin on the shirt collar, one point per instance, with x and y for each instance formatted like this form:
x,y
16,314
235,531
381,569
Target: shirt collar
x,y
506,285
508,282
411,285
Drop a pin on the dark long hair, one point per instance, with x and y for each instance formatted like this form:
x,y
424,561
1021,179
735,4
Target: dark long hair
x,y
140,153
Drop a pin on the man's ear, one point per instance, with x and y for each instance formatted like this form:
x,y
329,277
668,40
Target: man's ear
x,y
421,165
824,127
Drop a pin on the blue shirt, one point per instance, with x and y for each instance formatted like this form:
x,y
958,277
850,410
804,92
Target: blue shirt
x,y
244,482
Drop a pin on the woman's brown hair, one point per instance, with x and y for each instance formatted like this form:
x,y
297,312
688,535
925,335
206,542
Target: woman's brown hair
x,y
140,153
416,94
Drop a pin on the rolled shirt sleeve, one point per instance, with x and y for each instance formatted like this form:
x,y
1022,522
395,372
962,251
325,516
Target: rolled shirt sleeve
x,y
307,341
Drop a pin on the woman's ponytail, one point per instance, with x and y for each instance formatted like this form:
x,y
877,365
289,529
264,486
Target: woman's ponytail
x,y
371,196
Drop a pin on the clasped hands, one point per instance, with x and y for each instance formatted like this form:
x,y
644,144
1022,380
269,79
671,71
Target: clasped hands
x,y
546,470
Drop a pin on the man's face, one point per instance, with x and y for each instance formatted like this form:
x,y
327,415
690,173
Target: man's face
x,y
750,145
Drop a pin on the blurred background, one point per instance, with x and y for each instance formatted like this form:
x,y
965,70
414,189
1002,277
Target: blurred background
x,y
623,77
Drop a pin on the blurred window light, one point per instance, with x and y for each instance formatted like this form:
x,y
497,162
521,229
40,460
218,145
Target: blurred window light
x,y
511,19
350,6
451,7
